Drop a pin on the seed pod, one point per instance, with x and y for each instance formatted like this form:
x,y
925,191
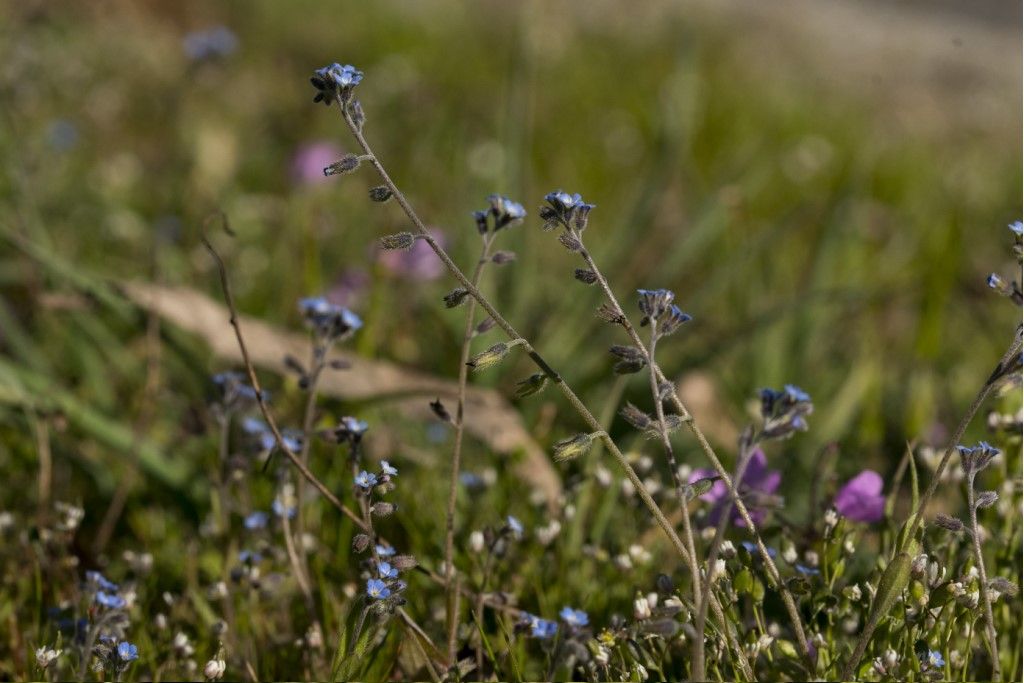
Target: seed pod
x,y
533,384
347,164
573,447
382,509
456,297
360,542
585,275
401,240
636,417
381,193
986,499
490,357
502,257
485,325
570,242
948,523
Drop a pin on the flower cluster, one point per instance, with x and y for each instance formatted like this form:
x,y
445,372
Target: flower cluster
x,y
502,213
784,411
335,80
566,210
658,309
328,321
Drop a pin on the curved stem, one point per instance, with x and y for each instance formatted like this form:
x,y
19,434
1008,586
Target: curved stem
x,y
570,395
918,514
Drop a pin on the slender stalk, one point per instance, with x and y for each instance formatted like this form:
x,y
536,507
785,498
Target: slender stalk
x,y
918,514
769,562
698,671
453,481
979,560
317,362
261,401
569,394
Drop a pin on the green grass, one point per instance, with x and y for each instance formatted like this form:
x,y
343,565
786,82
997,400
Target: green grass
x,y
812,242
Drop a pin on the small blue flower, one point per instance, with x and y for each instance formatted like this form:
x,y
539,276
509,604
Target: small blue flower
x,y
515,526
807,571
281,510
100,580
335,80
377,589
387,469
568,210
127,652
386,571
472,480
784,411
751,548
575,618
934,659
256,520
385,551
249,557
110,600
540,628
329,320
350,430
563,200
1017,228
366,480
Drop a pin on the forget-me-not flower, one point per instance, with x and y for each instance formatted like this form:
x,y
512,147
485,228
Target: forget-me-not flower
x,y
377,589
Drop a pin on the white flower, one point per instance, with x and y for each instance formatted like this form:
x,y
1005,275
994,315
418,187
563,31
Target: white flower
x,y
831,518
848,547
641,672
811,558
214,669
718,571
789,554
476,542
546,534
603,476
728,550
639,554
853,593
602,656
623,562
46,656
641,608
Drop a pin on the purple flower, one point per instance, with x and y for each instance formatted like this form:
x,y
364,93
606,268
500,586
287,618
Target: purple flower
x,y
419,264
861,499
756,486
309,161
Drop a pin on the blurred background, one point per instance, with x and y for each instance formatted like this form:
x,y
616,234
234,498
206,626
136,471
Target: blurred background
x,y
825,186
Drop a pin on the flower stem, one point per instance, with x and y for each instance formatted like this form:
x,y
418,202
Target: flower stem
x,y
453,481
979,559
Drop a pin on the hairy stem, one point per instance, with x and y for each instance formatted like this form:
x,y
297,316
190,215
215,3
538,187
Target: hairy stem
x,y
698,671
709,452
318,355
918,514
453,481
569,394
979,559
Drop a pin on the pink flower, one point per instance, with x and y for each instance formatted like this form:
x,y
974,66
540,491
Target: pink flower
x,y
419,263
861,499
757,485
310,159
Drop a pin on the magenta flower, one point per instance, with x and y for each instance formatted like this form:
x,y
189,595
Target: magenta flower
x,y
861,499
419,263
309,161
756,488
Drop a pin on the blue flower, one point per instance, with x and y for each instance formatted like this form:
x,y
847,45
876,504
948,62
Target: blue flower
x,y
385,550
256,520
934,659
751,548
212,43
575,618
568,210
386,571
976,458
335,80
110,600
350,430
127,652
282,510
235,389
100,580
377,589
503,212
329,320
784,411
807,571
387,469
1017,228
515,526
249,557
366,480
540,628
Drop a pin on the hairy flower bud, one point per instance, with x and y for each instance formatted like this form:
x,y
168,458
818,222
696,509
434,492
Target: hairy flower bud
x,y
347,164
456,297
490,357
401,240
533,384
380,193
574,446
